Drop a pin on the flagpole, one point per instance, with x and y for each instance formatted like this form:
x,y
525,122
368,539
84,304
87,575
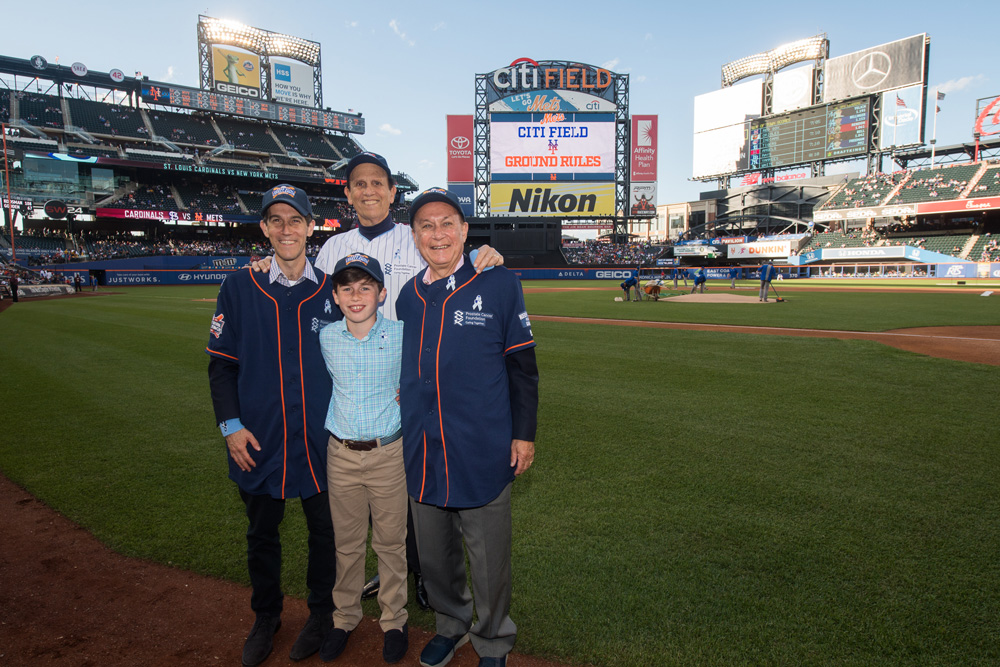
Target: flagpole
x,y
934,136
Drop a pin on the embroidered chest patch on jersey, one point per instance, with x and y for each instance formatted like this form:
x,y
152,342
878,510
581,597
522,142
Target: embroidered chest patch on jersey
x,y
218,322
474,317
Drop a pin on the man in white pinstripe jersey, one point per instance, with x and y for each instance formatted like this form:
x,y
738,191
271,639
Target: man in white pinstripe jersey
x,y
371,191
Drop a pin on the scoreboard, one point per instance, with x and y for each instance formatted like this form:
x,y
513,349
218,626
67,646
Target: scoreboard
x,y
203,100
829,131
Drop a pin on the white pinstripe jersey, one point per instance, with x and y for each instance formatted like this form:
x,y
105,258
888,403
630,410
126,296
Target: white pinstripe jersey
x,y
394,250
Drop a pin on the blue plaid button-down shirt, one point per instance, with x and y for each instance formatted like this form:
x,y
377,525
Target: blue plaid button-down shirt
x,y
365,379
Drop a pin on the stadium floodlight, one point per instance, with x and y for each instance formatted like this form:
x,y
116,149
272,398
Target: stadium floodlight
x,y
261,42
813,48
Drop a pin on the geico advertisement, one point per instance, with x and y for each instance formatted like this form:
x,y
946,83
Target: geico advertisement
x,y
555,199
552,143
236,72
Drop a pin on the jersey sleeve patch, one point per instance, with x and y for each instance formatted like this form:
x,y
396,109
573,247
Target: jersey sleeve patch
x,y
525,322
218,322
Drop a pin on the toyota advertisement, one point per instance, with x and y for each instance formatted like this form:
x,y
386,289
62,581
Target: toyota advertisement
x,y
461,134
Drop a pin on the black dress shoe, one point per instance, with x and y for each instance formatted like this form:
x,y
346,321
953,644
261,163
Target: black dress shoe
x,y
334,644
395,644
259,643
312,635
420,592
371,588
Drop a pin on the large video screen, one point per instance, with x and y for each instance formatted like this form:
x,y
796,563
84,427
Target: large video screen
x,y
728,106
719,152
884,67
552,147
819,133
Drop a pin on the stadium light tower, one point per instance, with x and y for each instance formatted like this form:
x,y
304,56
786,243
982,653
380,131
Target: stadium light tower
x,y
8,209
768,62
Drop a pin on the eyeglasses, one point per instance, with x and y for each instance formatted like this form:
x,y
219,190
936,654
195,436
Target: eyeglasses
x,y
292,224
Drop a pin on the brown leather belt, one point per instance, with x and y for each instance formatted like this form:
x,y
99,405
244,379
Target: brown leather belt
x,y
368,445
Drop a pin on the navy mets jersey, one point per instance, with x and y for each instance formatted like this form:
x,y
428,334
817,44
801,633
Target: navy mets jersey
x,y
271,333
394,250
455,392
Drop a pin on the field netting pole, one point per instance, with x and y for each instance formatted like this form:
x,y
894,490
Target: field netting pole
x,y
8,209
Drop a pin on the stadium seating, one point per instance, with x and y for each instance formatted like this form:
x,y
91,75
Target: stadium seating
x,y
305,143
986,249
107,119
855,239
147,197
5,106
988,184
209,197
347,147
194,130
618,254
247,135
932,184
93,151
866,191
40,110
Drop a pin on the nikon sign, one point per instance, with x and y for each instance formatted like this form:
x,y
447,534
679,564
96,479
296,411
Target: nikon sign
x,y
558,199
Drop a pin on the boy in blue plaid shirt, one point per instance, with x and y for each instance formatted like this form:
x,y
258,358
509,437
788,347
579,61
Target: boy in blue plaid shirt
x,y
365,469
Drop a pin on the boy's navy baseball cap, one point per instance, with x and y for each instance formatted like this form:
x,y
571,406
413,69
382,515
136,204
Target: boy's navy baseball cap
x,y
434,194
288,194
359,260
368,158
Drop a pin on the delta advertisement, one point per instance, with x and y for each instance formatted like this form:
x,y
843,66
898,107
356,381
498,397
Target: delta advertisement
x,y
552,146
644,148
235,72
461,134
552,200
292,83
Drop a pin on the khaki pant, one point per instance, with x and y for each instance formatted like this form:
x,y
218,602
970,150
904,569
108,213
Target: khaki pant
x,y
359,483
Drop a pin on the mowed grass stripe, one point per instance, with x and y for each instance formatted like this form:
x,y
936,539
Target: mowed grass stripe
x,y
697,498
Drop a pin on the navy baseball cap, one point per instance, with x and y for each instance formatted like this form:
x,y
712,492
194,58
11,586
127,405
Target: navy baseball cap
x,y
368,158
434,194
360,260
288,194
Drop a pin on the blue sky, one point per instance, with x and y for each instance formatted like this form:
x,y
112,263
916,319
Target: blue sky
x,y
407,65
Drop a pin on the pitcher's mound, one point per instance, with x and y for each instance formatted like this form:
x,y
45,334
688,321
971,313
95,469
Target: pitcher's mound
x,y
717,297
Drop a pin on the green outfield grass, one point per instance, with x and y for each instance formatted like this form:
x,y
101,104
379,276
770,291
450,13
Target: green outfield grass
x,y
698,498
854,311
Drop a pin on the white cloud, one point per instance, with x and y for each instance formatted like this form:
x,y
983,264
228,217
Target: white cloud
x,y
351,24
394,24
425,164
611,64
439,26
169,76
389,129
638,78
959,84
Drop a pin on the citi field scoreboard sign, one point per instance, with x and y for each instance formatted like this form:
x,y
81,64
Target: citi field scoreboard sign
x,y
549,86
552,146
236,72
552,199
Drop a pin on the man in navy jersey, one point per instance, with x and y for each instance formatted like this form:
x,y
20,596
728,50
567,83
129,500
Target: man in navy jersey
x,y
371,190
469,402
270,391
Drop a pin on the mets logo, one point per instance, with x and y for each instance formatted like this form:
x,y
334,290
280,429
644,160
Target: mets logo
x,y
217,323
358,258
459,317
478,303
450,285
279,190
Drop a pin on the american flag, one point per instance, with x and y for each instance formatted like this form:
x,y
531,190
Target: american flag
x,y
899,102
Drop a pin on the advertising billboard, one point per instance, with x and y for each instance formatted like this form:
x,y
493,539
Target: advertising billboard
x,y
644,130
729,106
235,72
642,200
588,88
568,199
719,151
759,249
292,83
461,135
894,65
466,193
552,147
902,117
792,89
